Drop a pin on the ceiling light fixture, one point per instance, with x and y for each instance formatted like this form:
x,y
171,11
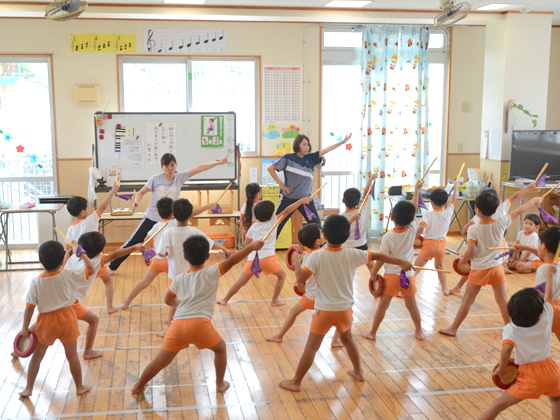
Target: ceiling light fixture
x,y
347,3
184,1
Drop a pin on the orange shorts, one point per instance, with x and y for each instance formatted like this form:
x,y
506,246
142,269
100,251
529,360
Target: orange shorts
x,y
536,379
556,317
488,277
433,248
158,265
393,285
535,263
79,309
102,271
307,303
269,265
61,324
184,332
322,321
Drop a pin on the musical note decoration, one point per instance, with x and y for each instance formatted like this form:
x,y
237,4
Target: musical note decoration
x,y
162,41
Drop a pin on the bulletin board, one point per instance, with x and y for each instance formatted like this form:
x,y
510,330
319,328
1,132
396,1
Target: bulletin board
x,y
135,143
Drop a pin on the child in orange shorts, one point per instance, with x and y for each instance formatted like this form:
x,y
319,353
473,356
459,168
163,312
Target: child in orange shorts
x,y
54,291
485,268
530,334
399,243
194,295
333,269
434,225
527,262
264,213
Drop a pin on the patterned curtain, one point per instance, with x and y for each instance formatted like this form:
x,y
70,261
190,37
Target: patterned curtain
x,y
394,133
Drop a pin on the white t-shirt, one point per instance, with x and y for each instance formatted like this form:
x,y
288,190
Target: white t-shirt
x,y
243,213
532,240
257,232
55,290
334,270
196,289
172,245
75,263
502,210
171,223
400,244
362,240
437,222
161,187
485,235
89,224
532,344
310,286
541,278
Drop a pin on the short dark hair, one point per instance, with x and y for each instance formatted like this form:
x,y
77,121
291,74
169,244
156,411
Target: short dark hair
x,y
487,203
439,197
352,197
535,218
336,229
264,210
164,207
525,307
167,158
550,238
404,213
92,242
51,254
297,141
182,209
75,205
308,234
196,249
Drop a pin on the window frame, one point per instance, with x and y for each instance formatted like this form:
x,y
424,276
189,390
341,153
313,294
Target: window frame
x,y
188,60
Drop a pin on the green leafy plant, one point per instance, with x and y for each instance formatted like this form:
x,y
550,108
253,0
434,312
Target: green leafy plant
x,y
511,104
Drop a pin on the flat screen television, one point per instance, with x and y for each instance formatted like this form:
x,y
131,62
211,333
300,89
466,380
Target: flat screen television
x,y
530,150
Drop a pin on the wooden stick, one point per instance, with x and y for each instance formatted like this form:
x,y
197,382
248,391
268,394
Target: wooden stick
x,y
117,177
460,171
552,189
105,108
273,227
428,170
225,191
432,269
496,248
72,244
556,254
153,236
541,172
317,192
366,198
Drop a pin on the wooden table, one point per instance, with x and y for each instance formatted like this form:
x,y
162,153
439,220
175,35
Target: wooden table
x,y
4,219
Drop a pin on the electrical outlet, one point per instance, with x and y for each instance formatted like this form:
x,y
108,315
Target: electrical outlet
x,y
460,147
466,107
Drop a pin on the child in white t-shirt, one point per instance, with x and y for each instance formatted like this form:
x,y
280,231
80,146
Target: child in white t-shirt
x,y
193,294
264,213
527,262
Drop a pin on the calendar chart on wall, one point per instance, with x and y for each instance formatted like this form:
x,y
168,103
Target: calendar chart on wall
x,y
282,93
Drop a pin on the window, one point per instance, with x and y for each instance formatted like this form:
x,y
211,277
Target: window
x,y
27,165
180,84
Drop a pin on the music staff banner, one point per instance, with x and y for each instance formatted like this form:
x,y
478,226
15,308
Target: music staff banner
x,y
164,41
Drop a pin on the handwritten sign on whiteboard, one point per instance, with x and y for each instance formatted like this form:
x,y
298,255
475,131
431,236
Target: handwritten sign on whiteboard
x,y
160,41
103,42
160,139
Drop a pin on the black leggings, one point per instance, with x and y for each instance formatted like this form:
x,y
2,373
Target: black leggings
x,y
286,202
137,237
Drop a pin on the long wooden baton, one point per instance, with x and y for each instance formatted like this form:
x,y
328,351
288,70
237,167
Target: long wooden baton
x,y
432,269
496,248
153,236
273,227
541,172
552,189
225,191
317,192
556,254
428,170
365,199
72,244
117,177
460,171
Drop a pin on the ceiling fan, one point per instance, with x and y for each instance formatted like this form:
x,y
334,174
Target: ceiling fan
x,y
452,13
65,9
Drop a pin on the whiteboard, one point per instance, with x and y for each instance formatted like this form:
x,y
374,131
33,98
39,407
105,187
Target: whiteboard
x,y
135,142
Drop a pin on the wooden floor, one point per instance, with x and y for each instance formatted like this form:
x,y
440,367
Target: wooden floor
x,y
440,378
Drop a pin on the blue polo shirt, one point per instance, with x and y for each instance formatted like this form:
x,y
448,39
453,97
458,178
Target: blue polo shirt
x,y
298,173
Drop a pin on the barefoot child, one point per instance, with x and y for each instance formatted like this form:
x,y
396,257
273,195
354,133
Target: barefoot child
x,y
254,195
54,291
77,207
171,246
485,269
159,265
527,262
334,268
434,225
529,332
399,243
193,294
264,213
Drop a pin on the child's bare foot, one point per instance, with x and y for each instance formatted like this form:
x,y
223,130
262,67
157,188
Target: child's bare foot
x,y
455,290
445,291
136,389
222,302
357,375
275,338
419,335
369,335
111,310
507,270
277,302
83,389
336,343
222,387
290,385
162,333
448,331
92,354
125,305
26,393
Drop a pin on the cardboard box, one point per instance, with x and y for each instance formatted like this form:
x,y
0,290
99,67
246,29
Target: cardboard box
x,y
328,212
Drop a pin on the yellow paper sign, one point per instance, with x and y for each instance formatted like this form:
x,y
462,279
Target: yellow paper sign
x,y
103,42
